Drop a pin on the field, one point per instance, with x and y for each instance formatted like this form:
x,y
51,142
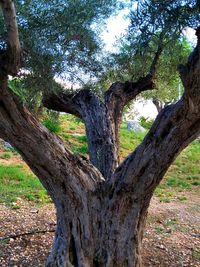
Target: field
x,y
172,234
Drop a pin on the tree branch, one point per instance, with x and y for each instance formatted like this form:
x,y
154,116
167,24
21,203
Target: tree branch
x,y
189,74
33,232
11,59
43,151
62,102
174,128
86,105
122,93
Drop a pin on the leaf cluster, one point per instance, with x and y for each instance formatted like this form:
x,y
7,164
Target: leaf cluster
x,y
59,37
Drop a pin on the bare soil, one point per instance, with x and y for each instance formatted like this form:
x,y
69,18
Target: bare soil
x,y
172,236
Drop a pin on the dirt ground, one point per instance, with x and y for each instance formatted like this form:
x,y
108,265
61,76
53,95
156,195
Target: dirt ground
x,y
172,236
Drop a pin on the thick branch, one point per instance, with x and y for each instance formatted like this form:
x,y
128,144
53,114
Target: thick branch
x,y
122,93
174,128
86,105
43,151
159,105
190,74
61,102
10,61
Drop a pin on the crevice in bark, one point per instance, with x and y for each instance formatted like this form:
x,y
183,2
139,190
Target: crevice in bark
x,y
72,249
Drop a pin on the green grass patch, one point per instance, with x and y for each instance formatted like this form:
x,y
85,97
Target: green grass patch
x,y
15,182
81,149
159,229
196,254
129,140
184,173
52,125
6,155
182,198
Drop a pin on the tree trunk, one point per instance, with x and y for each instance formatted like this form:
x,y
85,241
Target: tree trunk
x,y
100,218
98,232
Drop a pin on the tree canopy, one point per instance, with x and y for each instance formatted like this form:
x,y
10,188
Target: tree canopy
x,y
59,38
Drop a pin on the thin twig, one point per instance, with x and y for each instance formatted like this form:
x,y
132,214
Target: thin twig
x,y
14,236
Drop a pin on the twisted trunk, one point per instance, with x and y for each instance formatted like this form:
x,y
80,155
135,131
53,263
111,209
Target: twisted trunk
x,y
100,218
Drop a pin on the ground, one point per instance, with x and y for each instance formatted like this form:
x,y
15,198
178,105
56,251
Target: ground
x,y
27,216
172,236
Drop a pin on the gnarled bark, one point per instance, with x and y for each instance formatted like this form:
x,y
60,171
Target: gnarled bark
x,y
101,218
87,106
10,59
103,119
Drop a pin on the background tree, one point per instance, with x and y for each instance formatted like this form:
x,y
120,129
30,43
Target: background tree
x,y
102,207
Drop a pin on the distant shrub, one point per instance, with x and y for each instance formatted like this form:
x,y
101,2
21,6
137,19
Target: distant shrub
x,y
6,155
146,122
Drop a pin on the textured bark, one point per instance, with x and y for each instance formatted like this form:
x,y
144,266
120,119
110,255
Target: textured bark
x,y
103,120
101,218
10,58
70,187
159,104
87,106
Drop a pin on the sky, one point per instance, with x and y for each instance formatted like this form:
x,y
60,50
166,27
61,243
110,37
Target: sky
x,y
116,26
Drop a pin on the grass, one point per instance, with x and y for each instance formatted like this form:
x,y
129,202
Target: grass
x,y
129,140
169,225
52,125
196,254
6,155
16,182
183,175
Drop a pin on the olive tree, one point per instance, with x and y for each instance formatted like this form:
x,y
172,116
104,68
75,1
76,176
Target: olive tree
x,y
101,204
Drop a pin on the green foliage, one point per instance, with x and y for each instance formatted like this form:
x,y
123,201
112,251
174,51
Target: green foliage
x,y
15,182
153,24
66,45
52,122
167,80
168,18
28,92
129,64
146,122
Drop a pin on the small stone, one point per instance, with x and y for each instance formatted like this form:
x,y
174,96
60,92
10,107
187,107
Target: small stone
x,y
134,126
34,211
7,145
